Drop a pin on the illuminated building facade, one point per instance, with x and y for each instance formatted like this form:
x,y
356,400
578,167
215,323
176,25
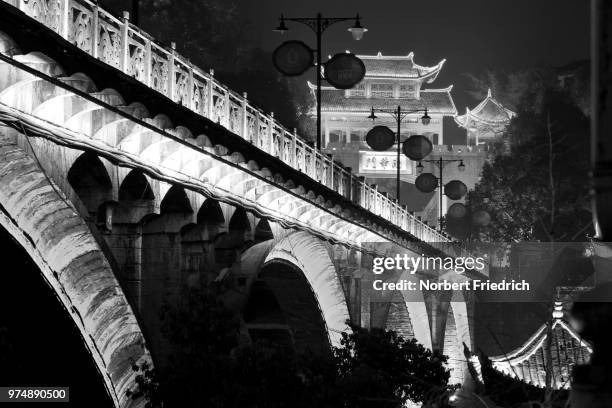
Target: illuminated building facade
x,y
389,81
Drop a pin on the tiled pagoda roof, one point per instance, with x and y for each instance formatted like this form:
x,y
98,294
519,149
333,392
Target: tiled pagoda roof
x,y
399,67
528,361
437,101
488,113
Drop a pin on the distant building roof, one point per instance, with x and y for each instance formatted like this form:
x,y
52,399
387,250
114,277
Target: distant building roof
x,y
438,101
488,114
399,67
527,362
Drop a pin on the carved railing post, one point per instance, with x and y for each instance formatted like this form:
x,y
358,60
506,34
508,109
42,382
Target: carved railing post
x,y
190,101
245,122
171,71
211,99
270,144
148,61
228,108
65,16
125,48
95,26
361,191
329,176
375,204
349,184
293,158
257,135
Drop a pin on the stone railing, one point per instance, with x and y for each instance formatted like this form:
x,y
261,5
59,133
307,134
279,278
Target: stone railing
x,y
129,49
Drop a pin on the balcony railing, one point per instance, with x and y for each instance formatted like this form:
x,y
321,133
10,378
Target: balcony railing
x,y
131,50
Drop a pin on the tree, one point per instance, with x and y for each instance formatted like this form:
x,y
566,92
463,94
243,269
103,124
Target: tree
x,y
538,190
379,368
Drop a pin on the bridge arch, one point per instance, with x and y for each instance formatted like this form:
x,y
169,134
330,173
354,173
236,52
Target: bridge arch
x,y
211,216
263,231
90,181
282,259
60,244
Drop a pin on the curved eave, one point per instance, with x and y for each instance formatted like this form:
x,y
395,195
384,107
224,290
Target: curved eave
x,y
475,113
461,121
433,74
466,118
428,76
534,343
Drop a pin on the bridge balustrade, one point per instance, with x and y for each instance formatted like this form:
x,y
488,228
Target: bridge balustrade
x,y
126,47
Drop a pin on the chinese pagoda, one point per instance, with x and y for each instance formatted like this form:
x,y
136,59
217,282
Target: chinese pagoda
x,y
486,121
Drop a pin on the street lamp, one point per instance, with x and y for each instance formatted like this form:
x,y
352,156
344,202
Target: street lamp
x,y
399,114
440,162
319,24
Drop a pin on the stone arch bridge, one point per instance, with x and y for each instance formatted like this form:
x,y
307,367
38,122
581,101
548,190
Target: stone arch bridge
x,y
126,172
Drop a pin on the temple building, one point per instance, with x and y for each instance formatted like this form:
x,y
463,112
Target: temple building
x,y
389,82
486,121
528,361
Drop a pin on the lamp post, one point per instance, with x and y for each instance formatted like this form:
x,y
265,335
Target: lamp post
x,y
399,114
440,162
319,24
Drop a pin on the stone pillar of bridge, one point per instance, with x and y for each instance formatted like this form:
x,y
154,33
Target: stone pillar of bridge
x,y
438,305
347,262
364,288
125,242
162,263
123,232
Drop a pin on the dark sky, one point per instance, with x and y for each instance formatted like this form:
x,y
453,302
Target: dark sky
x,y
472,35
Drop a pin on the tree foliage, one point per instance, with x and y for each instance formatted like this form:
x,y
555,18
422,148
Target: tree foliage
x,y
379,368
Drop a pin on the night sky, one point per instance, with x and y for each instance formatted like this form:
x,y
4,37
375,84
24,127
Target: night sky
x,y
472,35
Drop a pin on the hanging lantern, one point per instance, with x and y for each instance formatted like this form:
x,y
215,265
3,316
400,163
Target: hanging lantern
x,y
426,182
417,147
481,218
457,210
455,189
380,138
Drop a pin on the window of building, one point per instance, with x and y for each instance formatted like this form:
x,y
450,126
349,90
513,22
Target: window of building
x,y
358,90
407,90
382,90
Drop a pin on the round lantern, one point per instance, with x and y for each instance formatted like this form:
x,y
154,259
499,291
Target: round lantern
x,y
455,189
344,70
481,218
380,138
426,182
457,210
293,58
416,147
